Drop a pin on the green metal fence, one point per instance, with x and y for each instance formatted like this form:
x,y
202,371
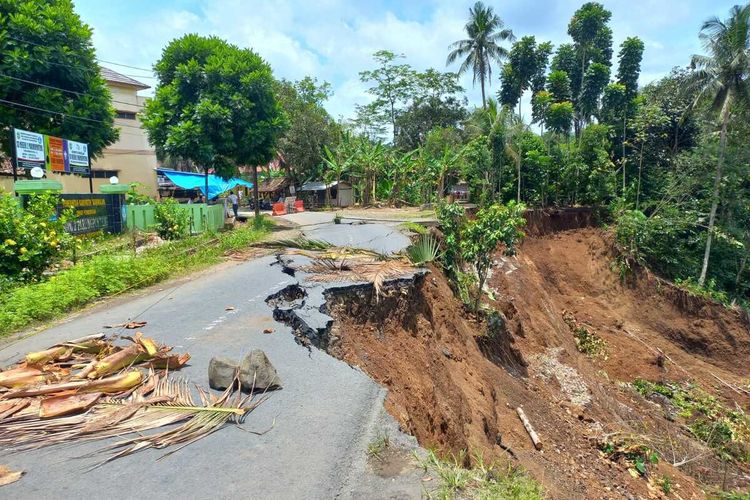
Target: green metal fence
x,y
202,217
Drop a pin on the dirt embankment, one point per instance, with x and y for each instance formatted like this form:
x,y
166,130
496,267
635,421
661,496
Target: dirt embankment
x,y
454,382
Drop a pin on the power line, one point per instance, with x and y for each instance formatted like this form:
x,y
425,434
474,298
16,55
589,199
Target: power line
x,y
3,75
100,60
64,115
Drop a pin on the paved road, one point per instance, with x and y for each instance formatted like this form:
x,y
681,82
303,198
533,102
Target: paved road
x,y
325,416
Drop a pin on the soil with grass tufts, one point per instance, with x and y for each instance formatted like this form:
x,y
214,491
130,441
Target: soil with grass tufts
x,y
455,380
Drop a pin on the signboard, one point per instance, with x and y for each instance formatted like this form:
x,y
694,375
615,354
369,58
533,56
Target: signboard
x,y
55,149
51,153
29,149
78,157
91,213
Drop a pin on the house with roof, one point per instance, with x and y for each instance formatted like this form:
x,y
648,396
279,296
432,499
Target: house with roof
x,y
130,159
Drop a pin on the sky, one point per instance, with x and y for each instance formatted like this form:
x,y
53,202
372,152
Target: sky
x,y
333,40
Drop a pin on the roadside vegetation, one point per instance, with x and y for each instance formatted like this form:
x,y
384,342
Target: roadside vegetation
x,y
483,480
116,271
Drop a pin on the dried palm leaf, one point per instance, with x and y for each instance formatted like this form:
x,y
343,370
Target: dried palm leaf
x,y
159,402
56,406
109,385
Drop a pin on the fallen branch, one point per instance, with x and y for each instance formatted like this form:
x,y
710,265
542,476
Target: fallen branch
x,y
527,425
738,390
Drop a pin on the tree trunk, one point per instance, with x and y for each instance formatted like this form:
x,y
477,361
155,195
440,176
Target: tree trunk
x,y
484,102
338,189
624,125
717,186
640,171
518,172
256,196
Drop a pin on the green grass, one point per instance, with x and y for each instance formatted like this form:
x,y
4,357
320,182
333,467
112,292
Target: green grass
x,y
107,274
725,429
483,481
378,446
413,227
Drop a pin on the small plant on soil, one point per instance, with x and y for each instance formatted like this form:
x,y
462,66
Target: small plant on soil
x,y
425,250
665,483
483,480
725,430
587,341
637,456
377,447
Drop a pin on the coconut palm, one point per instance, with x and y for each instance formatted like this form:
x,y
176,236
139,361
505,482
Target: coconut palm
x,y
722,76
485,30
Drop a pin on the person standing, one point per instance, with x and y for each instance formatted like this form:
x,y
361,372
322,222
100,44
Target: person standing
x,y
235,201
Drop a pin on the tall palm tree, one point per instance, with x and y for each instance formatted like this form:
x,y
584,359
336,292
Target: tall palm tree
x,y
485,31
722,76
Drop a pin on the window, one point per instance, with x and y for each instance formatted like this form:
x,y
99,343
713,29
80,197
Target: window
x,y
125,115
103,174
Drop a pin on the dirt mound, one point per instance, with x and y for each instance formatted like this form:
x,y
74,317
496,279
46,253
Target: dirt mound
x,y
454,381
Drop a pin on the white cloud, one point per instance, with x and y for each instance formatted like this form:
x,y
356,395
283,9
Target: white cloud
x,y
334,40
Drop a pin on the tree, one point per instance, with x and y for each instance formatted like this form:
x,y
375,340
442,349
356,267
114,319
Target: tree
x,y
629,68
494,225
47,45
310,128
596,78
392,84
215,106
722,76
592,45
525,69
558,85
436,101
485,30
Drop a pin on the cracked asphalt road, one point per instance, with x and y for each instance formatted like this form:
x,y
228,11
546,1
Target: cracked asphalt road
x,y
321,421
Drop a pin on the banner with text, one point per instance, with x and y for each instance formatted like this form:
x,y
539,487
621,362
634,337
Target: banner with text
x,y
51,153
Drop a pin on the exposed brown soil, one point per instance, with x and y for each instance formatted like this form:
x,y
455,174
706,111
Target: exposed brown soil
x,y
454,381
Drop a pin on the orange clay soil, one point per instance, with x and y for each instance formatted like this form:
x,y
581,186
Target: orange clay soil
x,y
454,381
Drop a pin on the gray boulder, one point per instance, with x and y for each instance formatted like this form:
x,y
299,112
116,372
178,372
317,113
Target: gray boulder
x,y
221,372
257,372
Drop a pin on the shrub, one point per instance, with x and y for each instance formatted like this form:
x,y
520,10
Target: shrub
x,y
31,238
425,250
172,220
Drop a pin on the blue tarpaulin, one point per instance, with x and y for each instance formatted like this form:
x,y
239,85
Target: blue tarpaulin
x,y
216,185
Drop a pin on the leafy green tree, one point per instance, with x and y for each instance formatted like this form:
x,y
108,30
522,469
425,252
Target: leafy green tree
x,y
436,102
558,85
676,98
48,62
310,127
629,68
593,46
560,117
215,106
540,103
391,85
649,128
525,69
480,237
722,76
594,82
485,31
566,60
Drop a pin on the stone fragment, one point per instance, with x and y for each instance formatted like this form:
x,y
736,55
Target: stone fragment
x,y
221,372
257,372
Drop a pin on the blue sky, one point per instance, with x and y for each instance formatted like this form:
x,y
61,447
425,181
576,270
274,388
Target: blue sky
x,y
334,39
